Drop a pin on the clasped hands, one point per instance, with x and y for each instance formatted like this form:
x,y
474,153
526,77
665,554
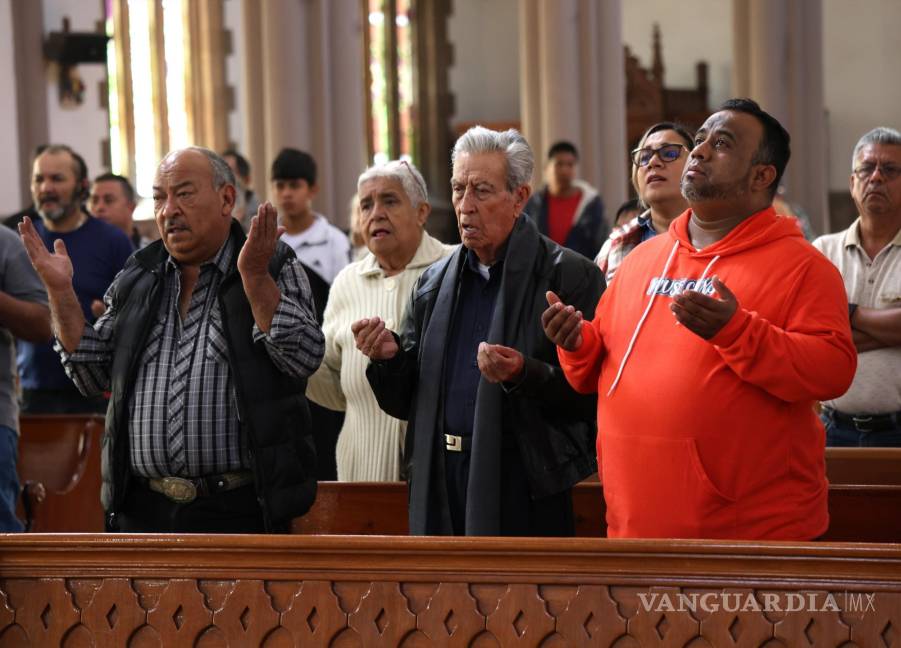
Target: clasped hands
x,y
498,363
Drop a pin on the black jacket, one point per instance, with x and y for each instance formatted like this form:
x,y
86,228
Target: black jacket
x,y
552,425
589,230
272,409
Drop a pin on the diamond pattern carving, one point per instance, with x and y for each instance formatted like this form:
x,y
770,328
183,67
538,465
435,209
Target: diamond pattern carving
x,y
451,617
520,602
40,600
261,611
383,618
653,627
114,613
247,615
591,618
810,628
721,627
314,616
180,613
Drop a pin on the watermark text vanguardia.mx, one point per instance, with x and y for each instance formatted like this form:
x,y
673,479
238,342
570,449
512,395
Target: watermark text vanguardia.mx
x,y
710,602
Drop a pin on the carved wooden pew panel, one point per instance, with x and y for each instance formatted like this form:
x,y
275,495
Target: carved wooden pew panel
x,y
113,590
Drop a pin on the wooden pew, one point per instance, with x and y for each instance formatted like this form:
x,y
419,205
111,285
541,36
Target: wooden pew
x,y
864,466
62,452
286,591
859,513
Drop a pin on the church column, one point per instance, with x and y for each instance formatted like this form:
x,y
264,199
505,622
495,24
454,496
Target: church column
x,y
303,79
779,63
573,87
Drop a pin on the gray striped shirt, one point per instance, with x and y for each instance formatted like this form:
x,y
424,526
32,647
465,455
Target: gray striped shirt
x,y
183,417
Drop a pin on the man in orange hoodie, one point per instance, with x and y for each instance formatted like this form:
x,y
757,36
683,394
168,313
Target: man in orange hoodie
x,y
708,352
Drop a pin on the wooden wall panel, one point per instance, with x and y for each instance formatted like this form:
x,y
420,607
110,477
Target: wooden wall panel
x,y
117,590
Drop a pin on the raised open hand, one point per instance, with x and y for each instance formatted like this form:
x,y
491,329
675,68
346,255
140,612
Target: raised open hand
x,y
54,269
562,324
253,261
702,314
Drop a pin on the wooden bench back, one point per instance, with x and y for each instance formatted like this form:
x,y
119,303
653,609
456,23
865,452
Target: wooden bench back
x,y
863,465
858,513
63,453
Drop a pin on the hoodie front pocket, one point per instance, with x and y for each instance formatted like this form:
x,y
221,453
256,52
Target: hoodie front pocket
x,y
656,487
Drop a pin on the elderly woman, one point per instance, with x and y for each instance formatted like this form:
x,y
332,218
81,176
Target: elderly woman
x,y
657,165
393,211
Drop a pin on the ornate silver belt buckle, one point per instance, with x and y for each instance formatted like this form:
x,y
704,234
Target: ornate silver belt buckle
x,y
179,490
453,442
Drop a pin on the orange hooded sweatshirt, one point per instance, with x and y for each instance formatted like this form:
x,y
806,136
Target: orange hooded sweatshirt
x,y
717,438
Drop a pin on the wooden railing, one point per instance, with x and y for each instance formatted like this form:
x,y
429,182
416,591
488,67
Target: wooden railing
x,y
280,591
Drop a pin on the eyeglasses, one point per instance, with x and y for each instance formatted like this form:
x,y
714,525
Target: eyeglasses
x,y
667,153
419,183
889,171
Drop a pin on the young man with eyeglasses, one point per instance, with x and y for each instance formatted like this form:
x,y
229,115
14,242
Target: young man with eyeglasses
x,y
868,255
567,210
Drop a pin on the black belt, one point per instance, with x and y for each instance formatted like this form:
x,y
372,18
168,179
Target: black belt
x,y
184,490
864,423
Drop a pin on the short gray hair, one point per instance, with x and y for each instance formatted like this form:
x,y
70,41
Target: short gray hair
x,y
405,173
222,173
880,135
520,161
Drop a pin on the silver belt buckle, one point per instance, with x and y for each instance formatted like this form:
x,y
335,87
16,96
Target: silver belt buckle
x,y
453,443
178,489
862,423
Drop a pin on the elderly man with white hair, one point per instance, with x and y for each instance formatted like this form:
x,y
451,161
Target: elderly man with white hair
x,y
393,206
496,436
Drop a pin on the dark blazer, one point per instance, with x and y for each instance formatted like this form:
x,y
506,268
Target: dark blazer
x,y
553,426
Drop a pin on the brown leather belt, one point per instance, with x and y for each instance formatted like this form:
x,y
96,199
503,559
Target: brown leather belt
x,y
183,491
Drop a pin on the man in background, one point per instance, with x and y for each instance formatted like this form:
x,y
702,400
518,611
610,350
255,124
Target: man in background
x,y
59,186
868,255
567,210
112,200
249,203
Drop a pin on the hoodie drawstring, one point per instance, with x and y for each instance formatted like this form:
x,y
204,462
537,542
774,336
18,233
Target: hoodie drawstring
x,y
622,365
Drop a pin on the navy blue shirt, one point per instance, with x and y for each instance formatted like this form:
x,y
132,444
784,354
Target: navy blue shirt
x,y
472,320
98,251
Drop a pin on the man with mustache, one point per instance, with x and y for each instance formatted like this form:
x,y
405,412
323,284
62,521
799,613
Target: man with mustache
x,y
59,186
868,255
206,344
709,351
496,437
